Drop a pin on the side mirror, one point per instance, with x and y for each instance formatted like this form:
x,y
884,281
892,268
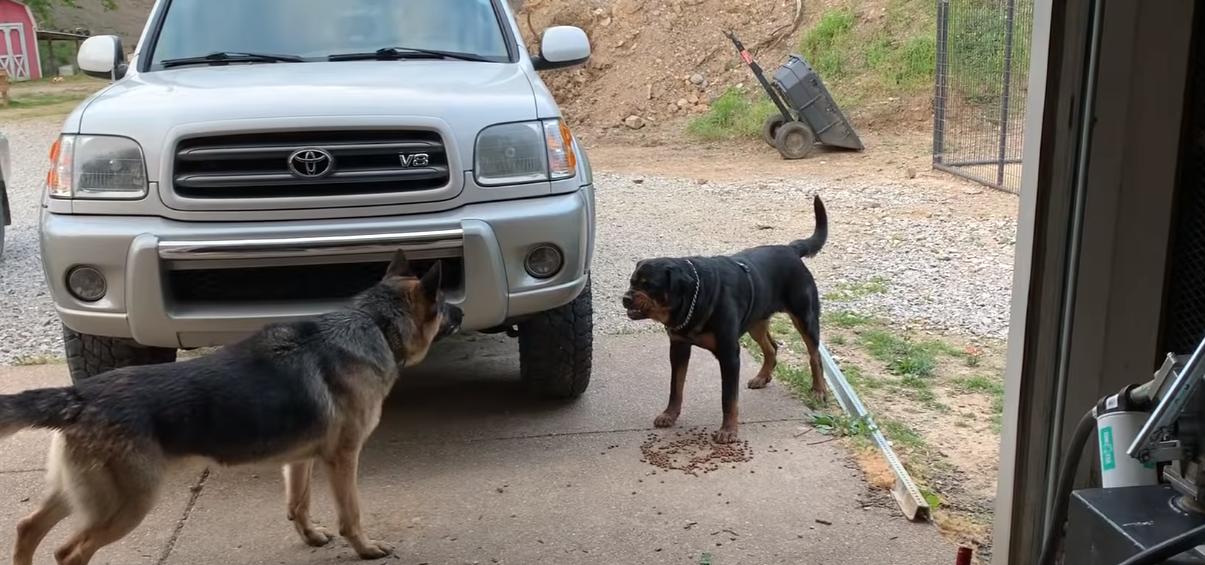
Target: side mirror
x,y
103,57
561,47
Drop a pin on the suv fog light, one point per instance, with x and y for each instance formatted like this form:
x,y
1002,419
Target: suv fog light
x,y
86,283
544,261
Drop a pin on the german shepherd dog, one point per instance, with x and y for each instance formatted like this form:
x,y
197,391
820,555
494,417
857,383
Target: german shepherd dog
x,y
294,393
710,302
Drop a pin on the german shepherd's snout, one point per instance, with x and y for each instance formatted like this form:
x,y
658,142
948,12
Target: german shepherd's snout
x,y
296,393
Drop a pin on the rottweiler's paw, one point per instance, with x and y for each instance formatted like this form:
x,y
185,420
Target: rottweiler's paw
x,y
758,382
374,550
665,420
724,435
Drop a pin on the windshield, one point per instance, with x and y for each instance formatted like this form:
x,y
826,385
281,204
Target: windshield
x,y
317,29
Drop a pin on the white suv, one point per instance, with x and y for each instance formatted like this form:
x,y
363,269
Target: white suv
x,y
259,161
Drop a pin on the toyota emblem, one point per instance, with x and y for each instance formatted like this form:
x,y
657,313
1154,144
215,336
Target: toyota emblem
x,y
311,163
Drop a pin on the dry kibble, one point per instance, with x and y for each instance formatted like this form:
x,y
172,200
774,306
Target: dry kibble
x,y
693,453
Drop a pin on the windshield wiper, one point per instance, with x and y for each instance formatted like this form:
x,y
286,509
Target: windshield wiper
x,y
224,57
398,53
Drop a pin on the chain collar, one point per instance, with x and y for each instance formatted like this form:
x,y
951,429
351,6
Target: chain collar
x,y
690,314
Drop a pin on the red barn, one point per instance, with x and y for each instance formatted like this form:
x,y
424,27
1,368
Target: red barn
x,y
18,42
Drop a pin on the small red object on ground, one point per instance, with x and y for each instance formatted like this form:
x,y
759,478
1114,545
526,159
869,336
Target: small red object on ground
x,y
964,556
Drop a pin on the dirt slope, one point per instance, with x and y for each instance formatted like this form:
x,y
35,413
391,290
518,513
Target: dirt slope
x,y
127,20
655,59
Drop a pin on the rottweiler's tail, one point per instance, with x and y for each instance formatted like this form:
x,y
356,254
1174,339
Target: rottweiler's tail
x,y
50,408
811,246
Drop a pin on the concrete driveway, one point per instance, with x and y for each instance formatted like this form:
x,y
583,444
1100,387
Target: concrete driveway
x,y
465,468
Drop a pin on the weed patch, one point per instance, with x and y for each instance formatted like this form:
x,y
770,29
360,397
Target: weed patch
x,y
732,115
847,292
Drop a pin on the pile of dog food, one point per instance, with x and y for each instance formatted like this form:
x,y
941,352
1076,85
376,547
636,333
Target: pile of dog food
x,y
692,452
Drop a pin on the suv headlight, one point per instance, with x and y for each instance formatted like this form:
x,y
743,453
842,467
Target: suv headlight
x,y
96,167
524,152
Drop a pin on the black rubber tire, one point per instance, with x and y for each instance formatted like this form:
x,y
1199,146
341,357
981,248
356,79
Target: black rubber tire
x,y
91,355
769,129
795,140
556,349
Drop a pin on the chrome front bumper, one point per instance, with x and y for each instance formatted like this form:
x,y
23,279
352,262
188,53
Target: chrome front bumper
x,y
136,255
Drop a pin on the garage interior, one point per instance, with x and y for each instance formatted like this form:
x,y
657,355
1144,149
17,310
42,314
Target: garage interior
x,y
1110,273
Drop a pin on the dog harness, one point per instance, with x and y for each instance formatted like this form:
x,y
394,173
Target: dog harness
x,y
752,292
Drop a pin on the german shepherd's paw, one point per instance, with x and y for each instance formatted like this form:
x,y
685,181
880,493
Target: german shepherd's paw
x,y
724,435
373,550
316,536
665,420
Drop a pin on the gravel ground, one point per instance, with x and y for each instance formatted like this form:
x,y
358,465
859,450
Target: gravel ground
x,y
29,326
943,252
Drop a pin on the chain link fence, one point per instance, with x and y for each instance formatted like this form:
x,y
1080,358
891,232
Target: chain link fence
x,y
982,75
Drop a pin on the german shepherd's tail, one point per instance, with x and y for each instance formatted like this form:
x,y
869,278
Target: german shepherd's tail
x,y
811,246
50,408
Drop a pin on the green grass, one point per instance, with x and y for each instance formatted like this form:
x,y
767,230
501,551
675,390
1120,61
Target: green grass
x,y
842,425
828,44
838,340
931,497
732,115
864,58
846,319
982,385
902,434
846,292
36,100
799,380
903,356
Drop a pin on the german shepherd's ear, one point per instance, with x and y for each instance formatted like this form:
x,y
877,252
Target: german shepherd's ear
x,y
399,267
432,280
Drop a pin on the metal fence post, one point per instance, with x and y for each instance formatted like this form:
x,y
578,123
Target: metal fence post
x,y
1007,87
942,80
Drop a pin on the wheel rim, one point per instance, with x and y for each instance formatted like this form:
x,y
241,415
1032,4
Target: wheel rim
x,y
795,142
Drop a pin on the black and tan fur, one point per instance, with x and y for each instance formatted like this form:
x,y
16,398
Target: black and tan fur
x,y
294,393
736,295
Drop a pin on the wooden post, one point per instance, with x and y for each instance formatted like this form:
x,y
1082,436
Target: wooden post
x,y
3,88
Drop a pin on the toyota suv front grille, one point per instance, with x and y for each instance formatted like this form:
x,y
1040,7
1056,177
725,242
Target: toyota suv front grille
x,y
316,163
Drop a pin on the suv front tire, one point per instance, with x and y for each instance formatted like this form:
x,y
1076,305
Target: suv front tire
x,y
91,355
556,349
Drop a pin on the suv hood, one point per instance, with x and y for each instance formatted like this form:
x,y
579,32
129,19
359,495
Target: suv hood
x,y
468,96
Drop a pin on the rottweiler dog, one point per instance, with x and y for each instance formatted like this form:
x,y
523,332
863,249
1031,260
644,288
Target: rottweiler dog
x,y
710,302
293,393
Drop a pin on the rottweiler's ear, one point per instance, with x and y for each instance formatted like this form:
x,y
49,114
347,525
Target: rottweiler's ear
x,y
680,283
432,280
399,267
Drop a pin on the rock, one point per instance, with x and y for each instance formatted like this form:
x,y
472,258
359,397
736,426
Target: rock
x,y
694,99
910,173
634,122
682,102
697,79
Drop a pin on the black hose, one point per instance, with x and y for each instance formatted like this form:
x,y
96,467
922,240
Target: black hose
x,y
1169,548
1062,494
